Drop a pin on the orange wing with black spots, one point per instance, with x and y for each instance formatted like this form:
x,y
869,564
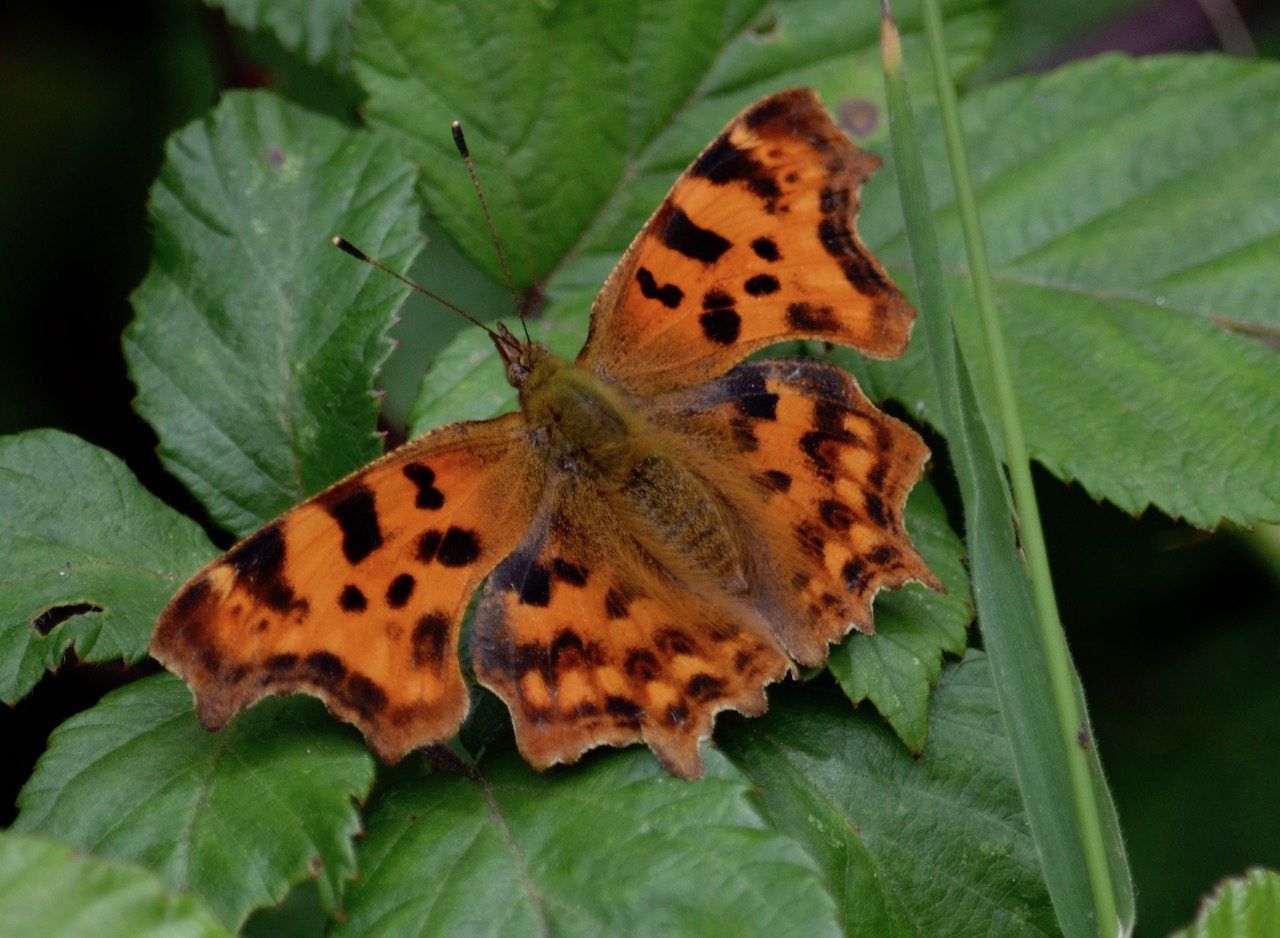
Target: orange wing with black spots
x,y
357,595
831,475
591,643
754,245
665,528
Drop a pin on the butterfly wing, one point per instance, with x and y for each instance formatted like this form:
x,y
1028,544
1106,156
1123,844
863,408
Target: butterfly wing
x,y
356,595
826,477
754,244
589,643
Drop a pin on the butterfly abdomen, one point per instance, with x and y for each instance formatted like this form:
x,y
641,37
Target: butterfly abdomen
x,y
669,509
682,522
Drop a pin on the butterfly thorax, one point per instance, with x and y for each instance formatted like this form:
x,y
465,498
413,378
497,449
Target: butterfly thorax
x,y
594,432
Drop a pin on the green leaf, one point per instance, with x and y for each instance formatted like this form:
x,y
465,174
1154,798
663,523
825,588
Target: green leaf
x,y
1240,908
255,342
614,846
898,666
937,845
318,31
47,891
239,815
87,557
569,111
1135,267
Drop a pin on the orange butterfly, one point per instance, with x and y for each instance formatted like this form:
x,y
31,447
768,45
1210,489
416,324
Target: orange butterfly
x,y
664,527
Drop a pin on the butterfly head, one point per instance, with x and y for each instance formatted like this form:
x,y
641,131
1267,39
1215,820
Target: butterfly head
x,y
520,356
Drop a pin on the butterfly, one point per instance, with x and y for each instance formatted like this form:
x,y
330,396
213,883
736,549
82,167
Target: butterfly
x,y
665,527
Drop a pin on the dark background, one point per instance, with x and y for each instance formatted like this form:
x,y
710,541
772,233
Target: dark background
x,y
1174,630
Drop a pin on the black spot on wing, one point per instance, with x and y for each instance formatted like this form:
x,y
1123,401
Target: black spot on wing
x,y
682,235
723,162
875,509
836,514
430,639
673,642
460,548
259,559
357,516
766,249
455,547
762,285
324,669
628,710
424,477
363,696
352,599
277,665
766,111
535,586
805,317
642,664
722,326
669,295
879,472
259,564
568,650
837,239
400,591
775,480
760,406
567,572
811,540
884,555
616,604
704,687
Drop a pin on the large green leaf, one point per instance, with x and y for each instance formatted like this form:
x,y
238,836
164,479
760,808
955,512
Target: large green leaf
x,y
87,557
613,847
255,342
1134,259
47,891
238,816
937,845
579,116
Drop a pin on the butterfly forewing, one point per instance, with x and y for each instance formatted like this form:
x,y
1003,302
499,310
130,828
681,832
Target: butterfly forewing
x,y
356,596
755,244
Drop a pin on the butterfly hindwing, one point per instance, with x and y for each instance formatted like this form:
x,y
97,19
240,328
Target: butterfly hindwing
x,y
832,474
590,644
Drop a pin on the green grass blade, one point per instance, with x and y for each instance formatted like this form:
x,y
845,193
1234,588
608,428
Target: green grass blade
x,y
1067,801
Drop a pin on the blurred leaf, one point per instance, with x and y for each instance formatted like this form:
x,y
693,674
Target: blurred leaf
x,y
319,32
1135,267
1240,908
48,891
255,341
937,845
614,846
88,557
238,816
1032,30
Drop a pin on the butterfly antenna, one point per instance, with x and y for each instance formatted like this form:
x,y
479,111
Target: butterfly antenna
x,y
412,285
460,142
